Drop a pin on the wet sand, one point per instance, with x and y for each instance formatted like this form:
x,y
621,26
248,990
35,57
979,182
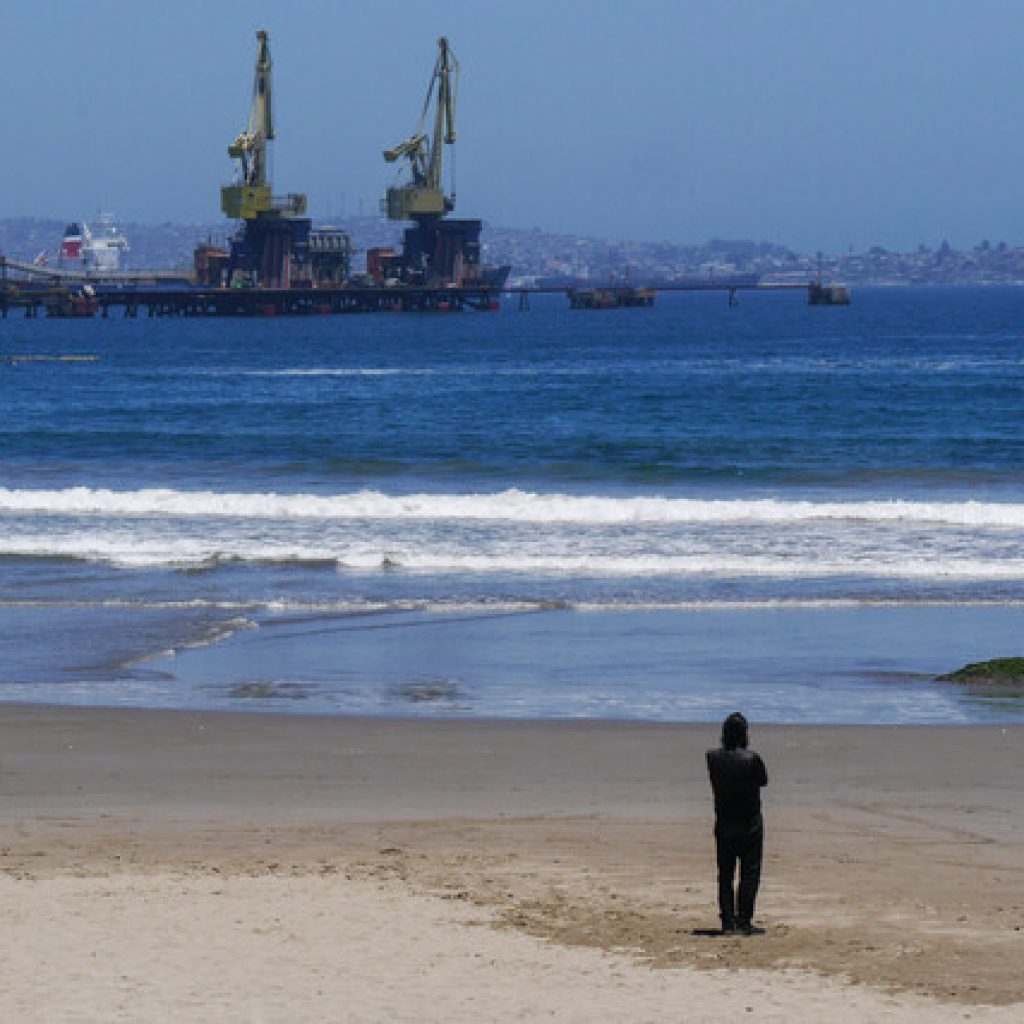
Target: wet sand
x,y
264,867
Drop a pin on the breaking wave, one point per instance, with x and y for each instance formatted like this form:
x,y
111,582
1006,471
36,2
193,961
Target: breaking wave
x,y
518,532
510,506
195,554
326,609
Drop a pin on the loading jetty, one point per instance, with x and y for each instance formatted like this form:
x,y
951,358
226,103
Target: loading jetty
x,y
642,297
28,290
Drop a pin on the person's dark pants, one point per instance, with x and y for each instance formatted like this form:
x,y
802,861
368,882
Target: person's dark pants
x,y
745,846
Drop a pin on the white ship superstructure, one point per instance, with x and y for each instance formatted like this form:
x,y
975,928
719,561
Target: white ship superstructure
x,y
99,249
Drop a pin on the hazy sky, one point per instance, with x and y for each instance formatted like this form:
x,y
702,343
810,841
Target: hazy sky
x,y
813,123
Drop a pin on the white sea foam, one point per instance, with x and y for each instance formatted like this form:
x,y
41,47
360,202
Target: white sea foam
x,y
509,506
683,565
832,365
331,371
437,557
520,532
435,606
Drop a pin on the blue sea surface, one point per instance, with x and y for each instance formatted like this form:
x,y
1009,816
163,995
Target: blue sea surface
x,y
662,514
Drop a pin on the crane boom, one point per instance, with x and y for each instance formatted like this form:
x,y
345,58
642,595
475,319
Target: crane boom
x,y
446,68
423,195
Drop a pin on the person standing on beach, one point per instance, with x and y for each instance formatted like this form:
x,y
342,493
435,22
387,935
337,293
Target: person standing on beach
x,y
737,775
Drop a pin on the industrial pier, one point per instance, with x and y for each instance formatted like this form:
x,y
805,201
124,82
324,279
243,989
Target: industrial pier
x,y
153,299
278,263
156,301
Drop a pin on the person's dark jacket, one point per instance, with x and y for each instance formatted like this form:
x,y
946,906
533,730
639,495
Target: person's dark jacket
x,y
736,779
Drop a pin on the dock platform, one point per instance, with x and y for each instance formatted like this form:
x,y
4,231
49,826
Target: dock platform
x,y
38,293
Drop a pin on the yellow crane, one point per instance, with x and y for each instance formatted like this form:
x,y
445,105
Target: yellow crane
x,y
249,196
423,196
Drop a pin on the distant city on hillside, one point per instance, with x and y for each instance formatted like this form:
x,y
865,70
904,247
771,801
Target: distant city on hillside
x,y
538,257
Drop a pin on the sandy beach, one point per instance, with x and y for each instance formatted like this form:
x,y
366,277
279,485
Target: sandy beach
x,y
247,867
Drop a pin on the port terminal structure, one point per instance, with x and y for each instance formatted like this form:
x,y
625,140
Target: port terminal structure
x,y
41,291
277,263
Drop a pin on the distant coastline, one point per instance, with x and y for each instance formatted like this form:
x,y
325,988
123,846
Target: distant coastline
x,y
539,256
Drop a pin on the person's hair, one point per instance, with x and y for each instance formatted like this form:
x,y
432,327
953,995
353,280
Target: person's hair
x,y
734,732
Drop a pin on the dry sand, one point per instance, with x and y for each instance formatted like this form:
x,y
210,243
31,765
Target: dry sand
x,y
186,867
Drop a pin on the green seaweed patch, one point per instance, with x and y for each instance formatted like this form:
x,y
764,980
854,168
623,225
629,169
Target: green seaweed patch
x,y
1005,673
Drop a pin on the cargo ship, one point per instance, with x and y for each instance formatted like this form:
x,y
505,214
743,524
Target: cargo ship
x,y
95,250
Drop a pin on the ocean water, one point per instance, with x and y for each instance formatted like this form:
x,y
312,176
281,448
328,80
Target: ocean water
x,y
660,514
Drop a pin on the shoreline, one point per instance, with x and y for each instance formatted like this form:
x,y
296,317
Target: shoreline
x,y
849,665
251,709
893,855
